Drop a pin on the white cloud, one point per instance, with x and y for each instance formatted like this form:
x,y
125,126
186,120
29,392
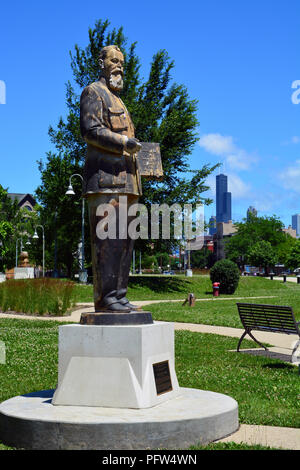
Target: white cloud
x,y
238,188
217,144
266,202
224,146
290,177
240,160
294,140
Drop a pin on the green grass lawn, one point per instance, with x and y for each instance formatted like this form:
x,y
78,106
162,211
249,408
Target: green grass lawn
x,y
213,446
266,390
230,446
221,311
177,287
218,313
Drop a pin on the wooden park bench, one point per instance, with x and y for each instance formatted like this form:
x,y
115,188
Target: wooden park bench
x,y
270,318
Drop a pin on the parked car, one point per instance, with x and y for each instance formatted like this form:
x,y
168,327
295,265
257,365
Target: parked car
x,y
297,270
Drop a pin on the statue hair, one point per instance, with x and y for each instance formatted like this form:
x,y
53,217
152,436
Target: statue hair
x,y
104,51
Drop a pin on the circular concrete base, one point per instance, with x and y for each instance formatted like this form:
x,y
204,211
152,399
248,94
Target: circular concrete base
x,y
195,417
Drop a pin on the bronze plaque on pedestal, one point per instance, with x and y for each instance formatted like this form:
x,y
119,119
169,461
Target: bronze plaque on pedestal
x,y
162,377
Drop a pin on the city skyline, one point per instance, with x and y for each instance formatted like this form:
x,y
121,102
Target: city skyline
x,y
296,223
223,204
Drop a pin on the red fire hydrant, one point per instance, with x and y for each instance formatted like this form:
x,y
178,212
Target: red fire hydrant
x,y
216,287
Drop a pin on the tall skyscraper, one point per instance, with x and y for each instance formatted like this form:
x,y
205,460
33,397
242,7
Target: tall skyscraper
x,y
212,225
296,223
251,210
223,199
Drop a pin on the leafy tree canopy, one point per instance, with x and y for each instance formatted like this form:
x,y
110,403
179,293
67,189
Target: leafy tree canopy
x,y
293,256
202,258
252,231
162,112
262,254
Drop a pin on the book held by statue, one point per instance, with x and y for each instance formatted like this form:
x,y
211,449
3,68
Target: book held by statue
x,y
149,161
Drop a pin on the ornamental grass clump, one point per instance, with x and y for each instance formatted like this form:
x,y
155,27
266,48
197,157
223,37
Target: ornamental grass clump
x,y
227,274
36,296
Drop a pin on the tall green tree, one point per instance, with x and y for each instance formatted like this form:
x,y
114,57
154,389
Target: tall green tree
x,y
8,211
293,256
162,112
60,213
262,254
202,258
252,231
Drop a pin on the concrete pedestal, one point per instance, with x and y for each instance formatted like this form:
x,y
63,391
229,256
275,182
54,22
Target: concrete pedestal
x,y
116,366
117,389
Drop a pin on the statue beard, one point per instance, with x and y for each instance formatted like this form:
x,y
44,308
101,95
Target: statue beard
x,y
115,82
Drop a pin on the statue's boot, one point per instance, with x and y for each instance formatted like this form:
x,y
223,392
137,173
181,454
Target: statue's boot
x,y
124,301
114,306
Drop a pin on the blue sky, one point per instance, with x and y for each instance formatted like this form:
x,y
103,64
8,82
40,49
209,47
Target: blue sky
x,y
238,58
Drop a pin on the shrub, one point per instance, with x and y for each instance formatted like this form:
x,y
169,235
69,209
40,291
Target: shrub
x,y
227,274
36,296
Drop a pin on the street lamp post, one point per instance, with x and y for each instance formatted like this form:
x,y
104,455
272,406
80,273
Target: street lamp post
x,y
140,263
55,273
36,236
17,251
70,191
21,249
189,272
133,262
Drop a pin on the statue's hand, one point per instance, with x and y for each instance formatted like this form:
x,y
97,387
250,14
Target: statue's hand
x,y
132,146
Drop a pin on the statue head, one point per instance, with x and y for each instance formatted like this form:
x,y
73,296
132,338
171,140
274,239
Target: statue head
x,y
23,260
111,61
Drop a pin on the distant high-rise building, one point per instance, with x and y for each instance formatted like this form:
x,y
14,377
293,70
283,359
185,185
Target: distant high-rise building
x,y
251,210
212,225
223,199
290,231
296,223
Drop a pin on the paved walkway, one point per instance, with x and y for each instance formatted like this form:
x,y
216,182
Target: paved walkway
x,y
289,279
282,345
270,436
